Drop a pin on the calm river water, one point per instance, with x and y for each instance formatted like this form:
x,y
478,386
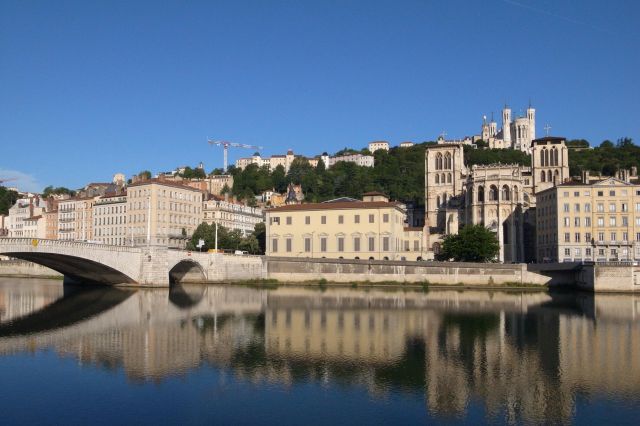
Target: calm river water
x,y
239,355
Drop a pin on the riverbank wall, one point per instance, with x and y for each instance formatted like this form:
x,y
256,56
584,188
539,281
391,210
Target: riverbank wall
x,y
24,269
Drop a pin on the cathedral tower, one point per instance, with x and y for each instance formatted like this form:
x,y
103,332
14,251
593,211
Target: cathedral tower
x,y
506,125
531,115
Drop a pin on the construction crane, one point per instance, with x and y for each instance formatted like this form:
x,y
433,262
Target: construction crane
x,y
225,146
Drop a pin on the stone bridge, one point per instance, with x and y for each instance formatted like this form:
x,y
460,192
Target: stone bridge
x,y
152,266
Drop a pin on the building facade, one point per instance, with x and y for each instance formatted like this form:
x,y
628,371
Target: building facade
x,y
234,216
110,220
162,213
344,228
589,221
376,145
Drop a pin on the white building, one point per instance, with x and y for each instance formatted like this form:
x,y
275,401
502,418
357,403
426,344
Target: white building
x,y
407,144
24,208
34,227
514,134
286,160
376,145
232,215
67,219
359,159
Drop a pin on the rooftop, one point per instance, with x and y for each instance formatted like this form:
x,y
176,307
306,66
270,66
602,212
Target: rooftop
x,y
338,205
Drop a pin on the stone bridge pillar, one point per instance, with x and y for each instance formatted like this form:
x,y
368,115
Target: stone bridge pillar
x,y
154,269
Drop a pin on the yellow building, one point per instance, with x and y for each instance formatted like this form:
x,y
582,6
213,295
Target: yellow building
x,y
373,228
162,213
110,220
597,221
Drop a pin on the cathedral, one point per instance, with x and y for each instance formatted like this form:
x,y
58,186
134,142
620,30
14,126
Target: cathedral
x,y
501,197
515,134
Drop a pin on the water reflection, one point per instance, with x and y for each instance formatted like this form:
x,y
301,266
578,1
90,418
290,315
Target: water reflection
x,y
524,356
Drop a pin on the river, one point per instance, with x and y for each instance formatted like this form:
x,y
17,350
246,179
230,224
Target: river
x,y
286,355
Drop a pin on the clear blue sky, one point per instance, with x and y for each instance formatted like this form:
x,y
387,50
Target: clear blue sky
x,y
90,88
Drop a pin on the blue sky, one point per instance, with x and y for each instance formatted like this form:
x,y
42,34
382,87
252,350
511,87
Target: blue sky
x,y
92,88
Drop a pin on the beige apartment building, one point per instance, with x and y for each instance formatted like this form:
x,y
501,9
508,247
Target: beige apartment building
x,y
75,221
594,221
162,213
67,219
110,220
373,228
51,224
234,216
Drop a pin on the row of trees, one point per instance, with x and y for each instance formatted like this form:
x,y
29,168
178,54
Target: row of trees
x,y
605,159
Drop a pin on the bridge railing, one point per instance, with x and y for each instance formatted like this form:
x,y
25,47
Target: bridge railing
x,y
42,242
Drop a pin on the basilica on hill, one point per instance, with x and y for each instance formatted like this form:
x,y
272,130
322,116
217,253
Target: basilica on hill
x,y
501,197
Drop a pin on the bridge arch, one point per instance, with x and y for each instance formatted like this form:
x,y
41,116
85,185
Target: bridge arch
x,y
187,271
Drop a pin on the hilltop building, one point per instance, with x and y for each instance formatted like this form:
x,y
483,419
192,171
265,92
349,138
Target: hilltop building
x,y
515,133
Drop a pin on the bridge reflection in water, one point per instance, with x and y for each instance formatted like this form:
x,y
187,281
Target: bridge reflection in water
x,y
525,356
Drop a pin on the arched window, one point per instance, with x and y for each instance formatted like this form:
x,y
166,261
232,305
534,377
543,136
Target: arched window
x,y
515,194
543,176
506,196
556,157
449,178
556,177
447,161
493,193
439,161
438,201
481,194
549,175
546,158
444,199
437,178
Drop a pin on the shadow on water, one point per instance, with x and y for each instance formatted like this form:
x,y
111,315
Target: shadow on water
x,y
78,304
186,296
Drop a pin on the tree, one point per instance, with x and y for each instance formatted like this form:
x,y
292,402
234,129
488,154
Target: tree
x,y
481,144
190,173
225,189
50,190
7,199
298,169
279,179
260,232
144,175
474,243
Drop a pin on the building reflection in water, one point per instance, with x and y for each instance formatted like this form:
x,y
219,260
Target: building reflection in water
x,y
525,356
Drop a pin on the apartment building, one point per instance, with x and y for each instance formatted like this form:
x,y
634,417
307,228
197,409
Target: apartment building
x,y
162,213
597,221
67,219
51,224
376,145
34,227
23,209
373,228
110,220
232,215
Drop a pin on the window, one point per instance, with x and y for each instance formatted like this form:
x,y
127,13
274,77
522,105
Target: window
x,y
600,252
625,236
307,245
567,221
638,236
323,220
356,244
340,219
416,245
565,194
612,193
576,221
371,218
587,237
576,237
385,243
638,207
625,221
275,221
274,245
600,193
600,236
612,207
601,221
406,245
625,207
288,245
356,219
637,221
567,237
307,220
577,252
289,221
385,218
587,252
612,221
587,221
613,236
567,252
566,207
323,244
587,207
600,207
576,194
340,243
576,207
372,243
